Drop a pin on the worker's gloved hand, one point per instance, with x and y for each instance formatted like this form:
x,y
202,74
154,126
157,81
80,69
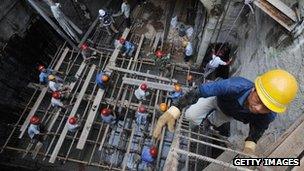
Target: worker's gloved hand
x,y
169,118
188,98
249,147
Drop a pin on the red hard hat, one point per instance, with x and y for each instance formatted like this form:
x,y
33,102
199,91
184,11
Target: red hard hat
x,y
153,152
72,120
144,86
142,109
105,112
122,40
159,53
41,67
56,94
35,120
84,46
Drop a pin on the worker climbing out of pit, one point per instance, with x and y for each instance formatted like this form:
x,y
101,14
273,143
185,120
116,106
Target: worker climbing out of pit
x,y
35,130
188,50
57,96
255,103
106,20
107,117
149,154
141,115
87,53
127,48
141,92
45,72
125,11
102,80
215,62
73,124
176,93
56,84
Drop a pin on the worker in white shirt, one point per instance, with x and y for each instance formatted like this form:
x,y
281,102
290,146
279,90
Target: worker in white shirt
x,y
125,11
55,83
188,50
73,124
35,129
106,20
57,96
213,64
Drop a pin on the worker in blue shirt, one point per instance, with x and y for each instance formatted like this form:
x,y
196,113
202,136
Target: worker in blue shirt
x,y
255,103
44,73
176,94
127,47
102,79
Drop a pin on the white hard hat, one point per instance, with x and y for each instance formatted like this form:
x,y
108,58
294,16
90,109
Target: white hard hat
x,y
102,12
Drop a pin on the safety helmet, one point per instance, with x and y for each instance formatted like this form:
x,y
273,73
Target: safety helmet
x,y
177,87
56,94
159,54
84,46
143,87
72,120
122,40
163,107
41,68
153,152
142,109
277,89
105,78
189,77
101,12
105,112
51,77
35,120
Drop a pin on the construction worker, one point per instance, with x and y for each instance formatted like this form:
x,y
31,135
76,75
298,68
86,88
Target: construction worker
x,y
35,129
162,61
107,21
87,53
213,64
55,83
125,11
127,47
106,116
148,155
44,73
102,79
254,103
188,50
73,124
141,115
141,92
176,94
57,96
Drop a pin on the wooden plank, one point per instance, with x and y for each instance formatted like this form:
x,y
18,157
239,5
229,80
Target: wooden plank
x,y
41,96
291,147
153,85
284,8
104,137
72,113
117,50
126,158
77,75
142,74
89,122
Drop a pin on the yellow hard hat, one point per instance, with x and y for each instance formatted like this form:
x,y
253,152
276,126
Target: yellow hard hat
x,y
276,88
51,77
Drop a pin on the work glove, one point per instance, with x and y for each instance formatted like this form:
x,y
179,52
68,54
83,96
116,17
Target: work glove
x,y
169,118
249,147
188,98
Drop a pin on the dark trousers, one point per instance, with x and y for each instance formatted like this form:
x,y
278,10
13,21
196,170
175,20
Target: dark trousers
x,y
127,22
187,58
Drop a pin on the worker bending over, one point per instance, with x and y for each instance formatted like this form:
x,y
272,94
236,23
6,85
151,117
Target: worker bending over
x,y
44,73
107,117
87,53
149,154
57,96
106,20
255,103
35,130
127,47
215,62
73,124
176,94
125,11
102,80
141,92
56,84
141,115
